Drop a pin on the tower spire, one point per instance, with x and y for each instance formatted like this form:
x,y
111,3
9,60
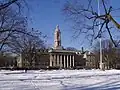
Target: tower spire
x,y
57,38
57,28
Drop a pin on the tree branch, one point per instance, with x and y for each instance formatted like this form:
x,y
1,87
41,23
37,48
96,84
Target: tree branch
x,y
3,6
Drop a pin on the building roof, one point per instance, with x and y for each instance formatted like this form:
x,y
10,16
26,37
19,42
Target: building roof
x,y
61,51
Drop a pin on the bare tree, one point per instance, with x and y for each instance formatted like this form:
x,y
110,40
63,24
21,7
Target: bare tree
x,y
9,3
28,46
109,52
11,24
87,18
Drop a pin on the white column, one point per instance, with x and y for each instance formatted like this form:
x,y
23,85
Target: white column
x,y
67,61
50,60
54,62
61,61
57,60
70,61
73,60
64,62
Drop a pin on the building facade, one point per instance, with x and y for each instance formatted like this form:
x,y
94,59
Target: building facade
x,y
59,58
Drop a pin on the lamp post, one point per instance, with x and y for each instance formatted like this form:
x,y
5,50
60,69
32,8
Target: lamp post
x,y
101,63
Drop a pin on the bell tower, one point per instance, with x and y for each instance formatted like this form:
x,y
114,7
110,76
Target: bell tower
x,y
57,38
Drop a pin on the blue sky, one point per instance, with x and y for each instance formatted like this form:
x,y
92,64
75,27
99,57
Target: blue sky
x,y
44,15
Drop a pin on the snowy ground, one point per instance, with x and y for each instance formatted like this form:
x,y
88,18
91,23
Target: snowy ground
x,y
60,80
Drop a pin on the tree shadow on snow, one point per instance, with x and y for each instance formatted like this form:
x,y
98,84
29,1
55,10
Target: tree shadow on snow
x,y
106,85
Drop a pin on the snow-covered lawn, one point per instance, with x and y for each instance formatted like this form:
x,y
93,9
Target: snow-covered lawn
x,y
60,80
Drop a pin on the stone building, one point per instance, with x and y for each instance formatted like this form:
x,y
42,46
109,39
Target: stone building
x,y
60,58
90,60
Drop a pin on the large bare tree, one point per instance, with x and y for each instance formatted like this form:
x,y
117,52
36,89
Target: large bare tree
x,y
11,24
87,17
27,45
15,36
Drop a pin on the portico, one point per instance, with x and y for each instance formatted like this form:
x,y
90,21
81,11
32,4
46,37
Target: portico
x,y
63,59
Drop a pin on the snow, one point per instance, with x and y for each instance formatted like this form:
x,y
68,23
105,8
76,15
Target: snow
x,y
60,80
